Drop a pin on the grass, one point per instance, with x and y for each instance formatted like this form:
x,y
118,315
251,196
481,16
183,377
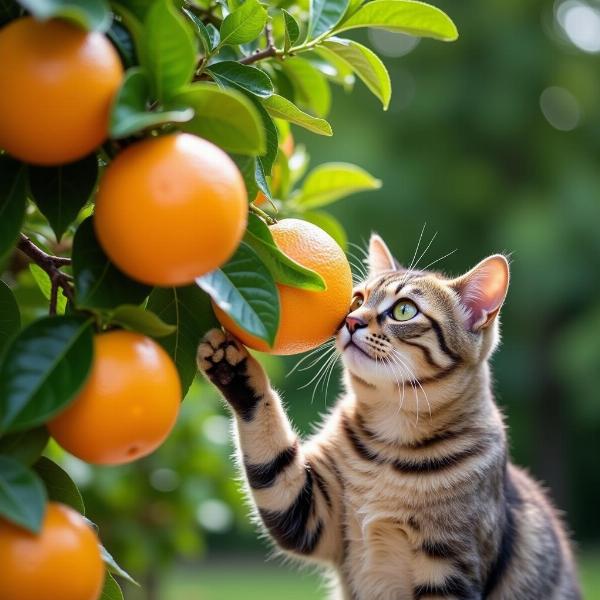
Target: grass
x,y
258,581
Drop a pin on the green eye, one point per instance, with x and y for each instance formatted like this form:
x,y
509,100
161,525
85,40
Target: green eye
x,y
404,310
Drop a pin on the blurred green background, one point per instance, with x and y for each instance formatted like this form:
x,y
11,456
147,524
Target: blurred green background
x,y
494,143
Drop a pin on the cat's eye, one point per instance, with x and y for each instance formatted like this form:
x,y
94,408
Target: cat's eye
x,y
356,303
405,310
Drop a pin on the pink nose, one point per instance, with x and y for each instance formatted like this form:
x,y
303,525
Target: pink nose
x,y
354,323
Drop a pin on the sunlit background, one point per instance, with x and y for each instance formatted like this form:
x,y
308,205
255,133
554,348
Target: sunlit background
x,y
493,143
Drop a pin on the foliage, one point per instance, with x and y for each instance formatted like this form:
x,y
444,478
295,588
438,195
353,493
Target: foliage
x,y
237,74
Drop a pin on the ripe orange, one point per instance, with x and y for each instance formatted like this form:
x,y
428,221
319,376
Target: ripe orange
x,y
128,405
170,209
58,82
62,562
307,318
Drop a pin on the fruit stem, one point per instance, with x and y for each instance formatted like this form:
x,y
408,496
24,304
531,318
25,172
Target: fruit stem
x,y
262,214
52,265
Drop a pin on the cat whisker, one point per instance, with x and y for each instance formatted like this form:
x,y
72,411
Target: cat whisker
x,y
310,354
414,379
425,251
437,260
412,262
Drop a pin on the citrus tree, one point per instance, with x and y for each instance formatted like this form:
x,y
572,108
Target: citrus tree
x,y
151,188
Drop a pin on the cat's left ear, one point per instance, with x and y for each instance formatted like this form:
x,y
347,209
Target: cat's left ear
x,y
482,291
380,257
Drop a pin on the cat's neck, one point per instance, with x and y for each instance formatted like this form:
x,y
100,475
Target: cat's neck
x,y
461,401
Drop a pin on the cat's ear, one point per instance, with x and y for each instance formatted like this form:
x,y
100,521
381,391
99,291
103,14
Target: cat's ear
x,y
482,291
380,257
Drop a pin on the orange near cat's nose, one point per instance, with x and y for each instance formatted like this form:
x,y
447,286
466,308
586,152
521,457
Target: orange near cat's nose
x,y
354,323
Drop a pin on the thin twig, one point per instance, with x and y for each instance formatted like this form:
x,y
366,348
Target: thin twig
x,y
262,214
51,265
259,55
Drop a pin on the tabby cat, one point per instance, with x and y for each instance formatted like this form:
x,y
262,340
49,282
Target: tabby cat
x,y
406,492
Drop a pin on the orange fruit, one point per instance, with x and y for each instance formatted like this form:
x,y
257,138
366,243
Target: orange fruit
x,y
61,562
170,209
58,82
128,405
307,318
288,145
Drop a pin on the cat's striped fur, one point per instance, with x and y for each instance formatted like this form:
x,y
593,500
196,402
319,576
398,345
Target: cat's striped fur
x,y
406,492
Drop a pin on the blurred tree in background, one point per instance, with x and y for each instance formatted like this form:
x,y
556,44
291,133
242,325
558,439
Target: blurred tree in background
x,y
494,143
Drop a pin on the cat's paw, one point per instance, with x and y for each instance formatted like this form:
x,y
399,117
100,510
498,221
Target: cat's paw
x,y
221,357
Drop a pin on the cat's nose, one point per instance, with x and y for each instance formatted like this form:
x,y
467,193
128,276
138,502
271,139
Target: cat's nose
x,y
354,323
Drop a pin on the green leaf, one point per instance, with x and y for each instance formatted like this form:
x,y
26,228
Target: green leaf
x,y
60,487
335,68
13,200
22,495
284,269
367,66
233,74
291,30
111,589
93,15
138,8
225,117
405,16
311,87
201,31
114,567
243,24
98,283
141,320
169,51
10,316
43,369
245,290
324,14
43,282
331,181
188,309
282,108
213,35
124,42
25,446
329,224
267,159
61,192
247,167
130,112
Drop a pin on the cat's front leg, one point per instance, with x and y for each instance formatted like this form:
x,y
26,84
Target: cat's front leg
x,y
294,492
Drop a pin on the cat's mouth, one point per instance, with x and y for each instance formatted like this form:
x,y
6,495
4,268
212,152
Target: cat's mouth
x,y
352,345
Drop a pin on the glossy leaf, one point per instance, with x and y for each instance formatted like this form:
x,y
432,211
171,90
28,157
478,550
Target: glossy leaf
x,y
331,181
213,35
311,87
247,167
324,14
13,200
130,113
141,320
201,31
244,24
25,446
43,282
245,290
405,16
114,568
111,589
284,269
334,67
267,159
188,309
169,50
61,192
22,495
43,369
367,66
59,486
291,30
10,316
280,107
231,73
225,117
98,283
123,41
90,14
328,223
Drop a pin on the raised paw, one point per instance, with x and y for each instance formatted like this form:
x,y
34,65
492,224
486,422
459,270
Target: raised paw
x,y
221,357
227,363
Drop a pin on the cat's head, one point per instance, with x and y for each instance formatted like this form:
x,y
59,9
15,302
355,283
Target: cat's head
x,y
406,325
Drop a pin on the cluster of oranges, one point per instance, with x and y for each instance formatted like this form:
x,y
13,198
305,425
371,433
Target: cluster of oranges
x,y
168,209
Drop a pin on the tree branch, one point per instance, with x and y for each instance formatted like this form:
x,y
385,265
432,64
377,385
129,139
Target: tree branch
x,y
51,265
